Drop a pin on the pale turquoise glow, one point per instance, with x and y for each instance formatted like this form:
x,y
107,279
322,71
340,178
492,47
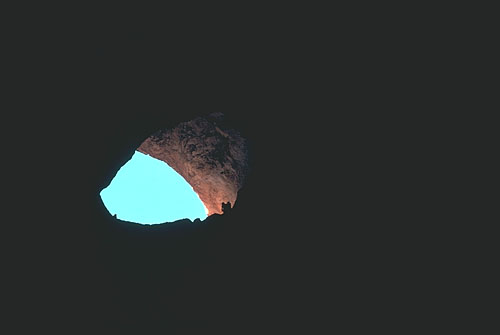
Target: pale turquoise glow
x,y
148,191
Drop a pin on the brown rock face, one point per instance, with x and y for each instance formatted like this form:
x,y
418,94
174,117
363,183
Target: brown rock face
x,y
212,159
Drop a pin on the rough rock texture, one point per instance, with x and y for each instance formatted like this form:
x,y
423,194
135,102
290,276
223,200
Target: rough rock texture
x,y
211,158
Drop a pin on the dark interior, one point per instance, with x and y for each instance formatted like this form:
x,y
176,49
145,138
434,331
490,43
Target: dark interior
x,y
306,244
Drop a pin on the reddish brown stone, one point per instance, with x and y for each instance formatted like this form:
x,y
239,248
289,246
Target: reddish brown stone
x,y
211,158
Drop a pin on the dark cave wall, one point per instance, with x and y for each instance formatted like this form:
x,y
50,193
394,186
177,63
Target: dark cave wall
x,y
284,251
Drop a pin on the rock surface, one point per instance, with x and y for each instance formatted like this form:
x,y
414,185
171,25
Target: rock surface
x,y
211,158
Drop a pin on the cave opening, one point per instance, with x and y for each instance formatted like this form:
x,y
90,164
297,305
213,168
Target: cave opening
x,y
190,171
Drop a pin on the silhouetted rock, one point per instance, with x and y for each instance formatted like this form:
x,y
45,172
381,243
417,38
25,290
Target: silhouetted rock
x,y
226,207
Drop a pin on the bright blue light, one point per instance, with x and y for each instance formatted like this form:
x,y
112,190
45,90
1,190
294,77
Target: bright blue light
x,y
148,191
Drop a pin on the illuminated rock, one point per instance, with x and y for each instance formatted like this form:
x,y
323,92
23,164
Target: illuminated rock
x,y
212,159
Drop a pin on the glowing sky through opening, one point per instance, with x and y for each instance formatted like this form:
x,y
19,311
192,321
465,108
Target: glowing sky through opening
x,y
148,191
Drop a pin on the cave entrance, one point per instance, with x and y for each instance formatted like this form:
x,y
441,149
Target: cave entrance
x,y
209,159
148,191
